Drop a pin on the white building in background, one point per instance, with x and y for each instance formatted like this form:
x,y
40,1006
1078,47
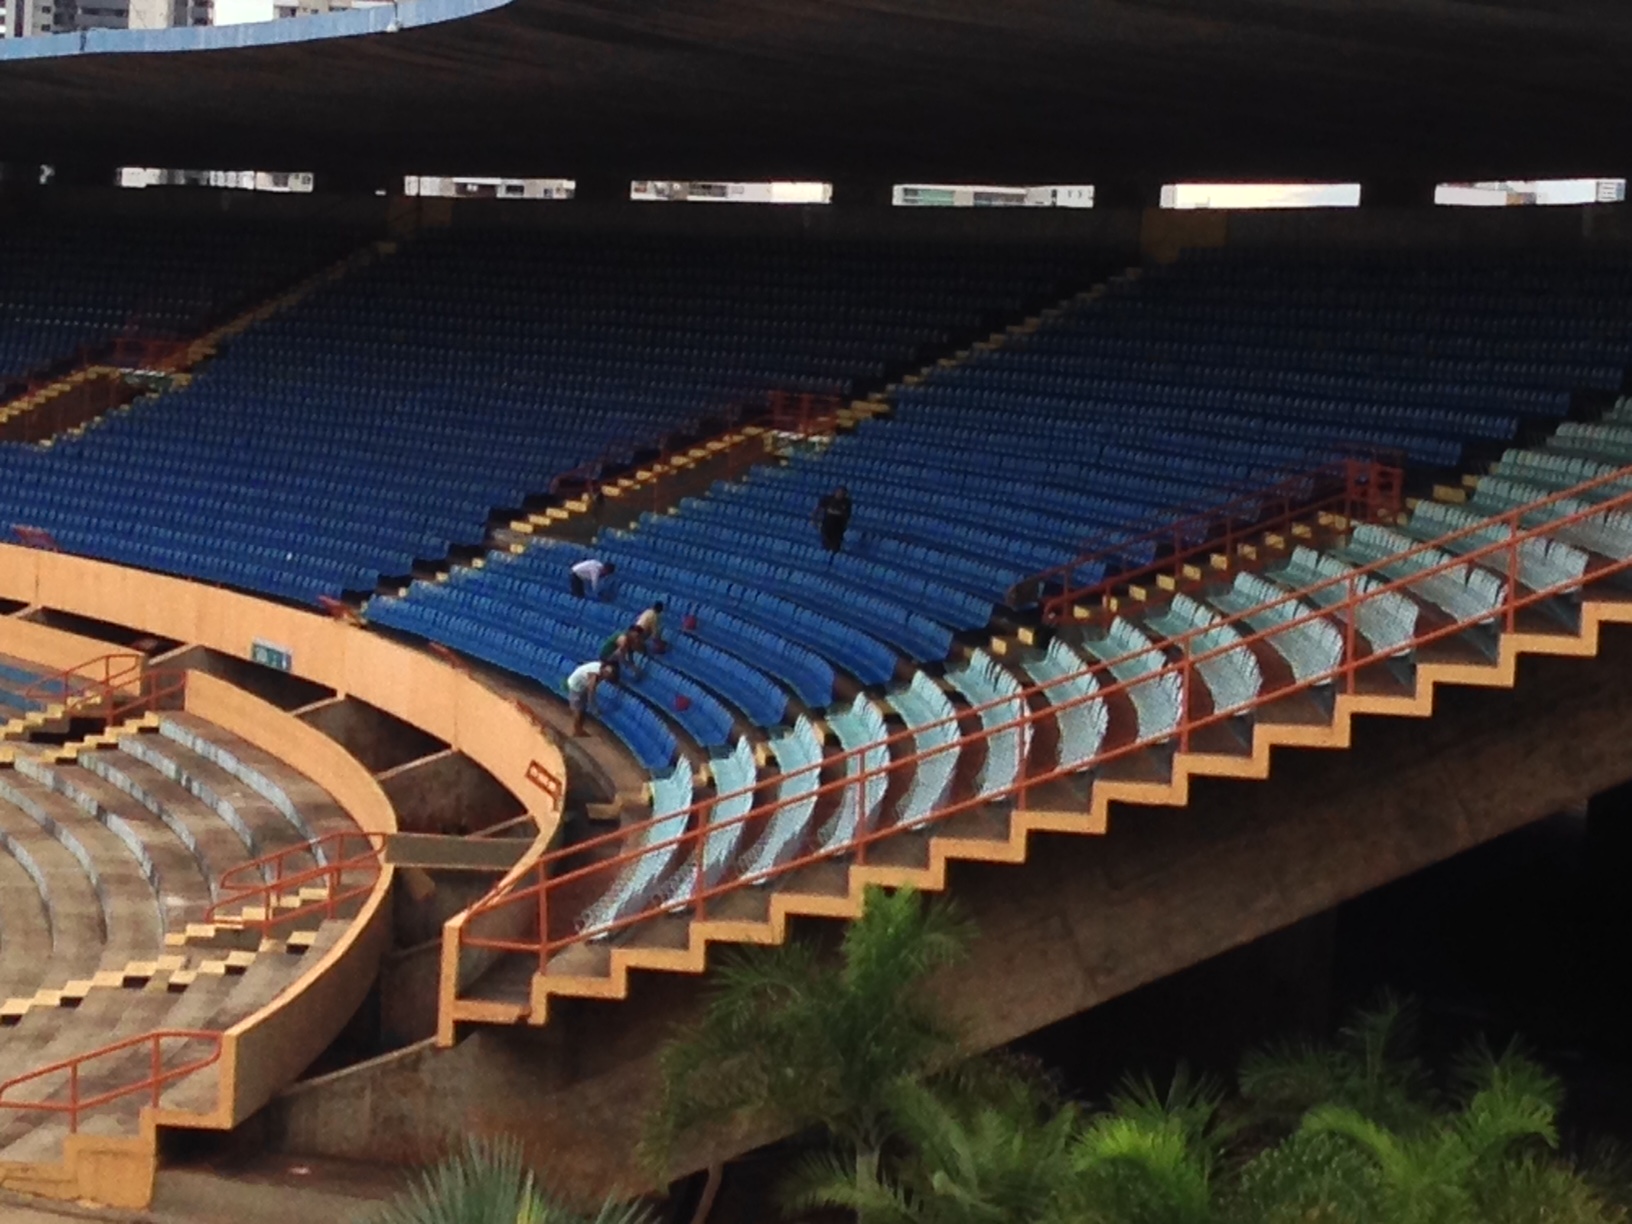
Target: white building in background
x,y
970,195
1261,195
476,188
774,192
26,18
1531,191
282,9
278,182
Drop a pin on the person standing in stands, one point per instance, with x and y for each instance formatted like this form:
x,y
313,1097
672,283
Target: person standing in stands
x,y
650,624
583,685
587,576
832,515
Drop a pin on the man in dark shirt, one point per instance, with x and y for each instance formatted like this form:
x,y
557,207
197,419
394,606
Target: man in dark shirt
x,y
833,516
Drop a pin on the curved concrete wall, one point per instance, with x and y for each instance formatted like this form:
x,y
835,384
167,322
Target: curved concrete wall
x,y
406,682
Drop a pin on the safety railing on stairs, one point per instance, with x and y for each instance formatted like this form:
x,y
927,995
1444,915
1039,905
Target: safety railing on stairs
x,y
1363,487
341,866
110,687
95,679
66,1093
562,884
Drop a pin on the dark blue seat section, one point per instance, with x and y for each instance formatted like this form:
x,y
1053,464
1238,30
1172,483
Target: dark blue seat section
x,y
383,419
706,529
630,719
883,619
1129,411
15,684
1239,359
758,698
836,642
543,569
71,286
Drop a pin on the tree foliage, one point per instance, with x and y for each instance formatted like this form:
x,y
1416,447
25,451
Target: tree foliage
x,y
1357,1130
819,1041
488,1182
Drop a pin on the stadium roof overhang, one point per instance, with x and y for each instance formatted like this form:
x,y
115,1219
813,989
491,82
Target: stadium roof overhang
x,y
1020,91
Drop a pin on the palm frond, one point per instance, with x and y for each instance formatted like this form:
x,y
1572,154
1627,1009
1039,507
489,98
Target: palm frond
x,y
1283,1081
1133,1169
1189,1102
833,1180
487,1182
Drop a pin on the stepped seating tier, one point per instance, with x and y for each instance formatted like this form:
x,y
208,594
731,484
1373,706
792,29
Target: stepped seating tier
x,y
1138,652
109,868
385,417
68,286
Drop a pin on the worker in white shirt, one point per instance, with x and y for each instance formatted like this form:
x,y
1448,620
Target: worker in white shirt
x,y
582,685
587,576
650,624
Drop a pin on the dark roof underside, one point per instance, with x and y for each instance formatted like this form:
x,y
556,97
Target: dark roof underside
x,y
875,90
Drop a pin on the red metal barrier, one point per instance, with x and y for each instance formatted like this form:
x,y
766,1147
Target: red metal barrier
x,y
152,1083
111,687
1364,489
556,881
337,858
94,680
35,537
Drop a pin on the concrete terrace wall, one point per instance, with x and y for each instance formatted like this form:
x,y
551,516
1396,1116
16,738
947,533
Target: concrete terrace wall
x,y
406,682
267,1050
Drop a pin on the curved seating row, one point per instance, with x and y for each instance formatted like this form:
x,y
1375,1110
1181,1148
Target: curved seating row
x,y
385,417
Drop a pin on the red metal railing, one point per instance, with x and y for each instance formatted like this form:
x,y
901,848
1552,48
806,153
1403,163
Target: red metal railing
x,y
35,537
70,1098
805,413
94,680
111,687
561,883
1366,488
346,864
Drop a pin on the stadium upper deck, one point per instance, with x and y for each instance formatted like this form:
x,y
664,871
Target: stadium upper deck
x,y
946,90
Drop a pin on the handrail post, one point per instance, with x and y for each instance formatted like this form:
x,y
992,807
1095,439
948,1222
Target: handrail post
x,y
158,1040
1024,731
700,884
861,812
1510,597
1184,699
543,919
1352,607
73,1098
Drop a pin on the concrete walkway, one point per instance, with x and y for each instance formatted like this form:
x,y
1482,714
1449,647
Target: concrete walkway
x,y
268,1191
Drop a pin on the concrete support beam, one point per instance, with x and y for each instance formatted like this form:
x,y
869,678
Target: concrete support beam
x,y
863,192
602,190
447,792
1396,193
379,741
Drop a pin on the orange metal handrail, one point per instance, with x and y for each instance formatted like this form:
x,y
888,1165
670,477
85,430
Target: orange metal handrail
x,y
1355,655
110,698
153,1082
1364,487
270,879
99,677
